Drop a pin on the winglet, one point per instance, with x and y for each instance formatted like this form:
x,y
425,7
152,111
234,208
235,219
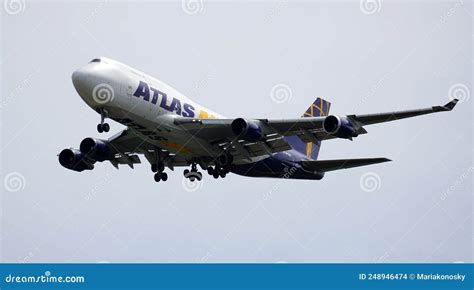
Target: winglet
x,y
448,107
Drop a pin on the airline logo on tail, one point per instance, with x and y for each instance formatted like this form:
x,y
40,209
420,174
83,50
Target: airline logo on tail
x,y
319,108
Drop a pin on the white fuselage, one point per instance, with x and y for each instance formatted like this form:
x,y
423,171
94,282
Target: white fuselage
x,y
144,104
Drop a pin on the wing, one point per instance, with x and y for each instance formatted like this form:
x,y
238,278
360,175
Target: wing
x,y
219,132
392,116
309,129
126,145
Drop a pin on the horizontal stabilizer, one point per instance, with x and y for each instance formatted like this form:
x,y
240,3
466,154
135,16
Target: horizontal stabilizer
x,y
330,165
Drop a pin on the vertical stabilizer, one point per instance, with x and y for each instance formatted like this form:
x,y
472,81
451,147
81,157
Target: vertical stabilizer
x,y
318,108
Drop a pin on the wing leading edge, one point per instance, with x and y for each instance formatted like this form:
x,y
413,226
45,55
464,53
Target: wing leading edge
x,y
392,116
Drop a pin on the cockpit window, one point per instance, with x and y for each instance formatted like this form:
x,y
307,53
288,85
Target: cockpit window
x,y
95,60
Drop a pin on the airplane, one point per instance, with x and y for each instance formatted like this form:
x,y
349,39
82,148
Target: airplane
x,y
170,131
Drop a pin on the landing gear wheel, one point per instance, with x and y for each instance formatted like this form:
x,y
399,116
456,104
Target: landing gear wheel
x,y
186,172
210,170
164,176
102,126
154,168
222,174
215,174
199,176
158,177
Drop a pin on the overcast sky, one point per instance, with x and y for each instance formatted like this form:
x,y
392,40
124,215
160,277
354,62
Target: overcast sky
x,y
363,57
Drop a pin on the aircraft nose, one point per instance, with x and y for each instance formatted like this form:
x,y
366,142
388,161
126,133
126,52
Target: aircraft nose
x,y
94,84
79,78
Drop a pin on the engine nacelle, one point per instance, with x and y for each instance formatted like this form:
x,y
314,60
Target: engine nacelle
x,y
74,159
247,129
95,149
339,126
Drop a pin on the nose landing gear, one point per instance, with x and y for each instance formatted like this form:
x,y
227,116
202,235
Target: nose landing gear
x,y
103,127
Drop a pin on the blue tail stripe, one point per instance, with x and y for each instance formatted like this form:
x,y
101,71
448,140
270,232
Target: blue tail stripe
x,y
318,108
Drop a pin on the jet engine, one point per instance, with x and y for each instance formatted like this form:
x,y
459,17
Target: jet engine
x,y
95,149
340,126
247,129
74,159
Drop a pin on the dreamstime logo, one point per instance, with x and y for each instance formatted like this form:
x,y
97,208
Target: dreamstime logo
x,y
287,173
460,180
95,12
191,186
103,93
274,12
370,7
370,182
14,181
382,258
281,93
205,258
192,7
18,90
450,12
459,91
27,258
43,278
13,7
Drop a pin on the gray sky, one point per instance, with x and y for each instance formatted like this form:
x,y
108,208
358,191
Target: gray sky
x,y
228,57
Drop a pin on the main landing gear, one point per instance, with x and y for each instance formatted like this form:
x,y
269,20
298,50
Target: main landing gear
x,y
103,127
194,174
160,175
223,166
221,169
218,171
